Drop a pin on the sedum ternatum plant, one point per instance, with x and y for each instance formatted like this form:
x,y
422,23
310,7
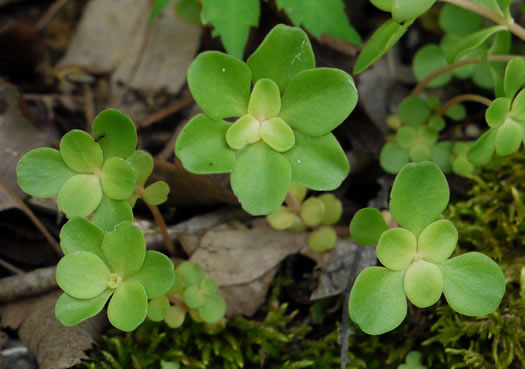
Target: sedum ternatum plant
x,y
281,130
416,257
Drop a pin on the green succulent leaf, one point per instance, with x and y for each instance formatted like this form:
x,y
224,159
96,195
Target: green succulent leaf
x,y
404,10
322,239
423,283
243,132
427,60
333,209
413,111
367,226
118,178
175,316
396,248
312,154
312,211
79,234
157,274
213,309
191,273
463,45
115,132
232,20
128,307
220,84
456,112
518,108
209,286
497,111
419,195
157,308
393,157
327,16
80,195
284,52
125,249
249,179
462,167
282,218
156,193
482,150
265,100
82,275
193,297
71,311
112,212
80,151
142,161
473,284
514,77
318,100
202,147
385,5
42,172
448,20
377,301
436,123
420,153
508,138
406,136
441,155
277,134
438,241
383,39
298,191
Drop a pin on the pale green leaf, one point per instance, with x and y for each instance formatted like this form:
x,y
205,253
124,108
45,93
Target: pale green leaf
x,y
42,172
473,284
191,273
396,248
250,179
231,20
112,212
449,16
413,111
142,161
318,163
463,45
312,211
385,5
367,226
437,241
333,209
393,157
419,195
128,307
71,311
265,100
427,60
193,297
423,283
508,138
80,151
243,132
82,275
213,309
79,234
322,239
284,52
175,316
116,133
497,112
202,147
377,301
157,274
482,150
125,249
282,218
441,155
318,100
277,134
157,308
404,10
156,193
80,195
118,178
514,77
318,17
518,109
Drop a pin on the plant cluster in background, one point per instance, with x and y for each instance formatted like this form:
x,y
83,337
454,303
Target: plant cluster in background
x,y
416,257
193,294
317,214
283,126
233,19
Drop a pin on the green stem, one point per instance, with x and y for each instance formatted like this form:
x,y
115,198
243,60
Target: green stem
x,y
448,68
489,14
461,98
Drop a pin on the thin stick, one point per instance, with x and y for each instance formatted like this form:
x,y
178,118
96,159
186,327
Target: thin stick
x,y
162,227
447,68
292,203
32,216
11,267
51,12
461,98
172,109
489,14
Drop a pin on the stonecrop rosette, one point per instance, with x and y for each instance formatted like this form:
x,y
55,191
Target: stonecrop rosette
x,y
98,266
283,125
416,257
89,173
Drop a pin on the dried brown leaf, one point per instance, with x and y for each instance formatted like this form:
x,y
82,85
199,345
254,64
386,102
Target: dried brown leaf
x,y
55,346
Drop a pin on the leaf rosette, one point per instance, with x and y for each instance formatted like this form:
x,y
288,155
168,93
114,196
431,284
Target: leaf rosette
x,y
416,257
282,127
89,174
113,266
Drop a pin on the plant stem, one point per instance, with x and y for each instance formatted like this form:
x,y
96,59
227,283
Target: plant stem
x,y
461,98
292,203
32,216
162,227
489,14
447,68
